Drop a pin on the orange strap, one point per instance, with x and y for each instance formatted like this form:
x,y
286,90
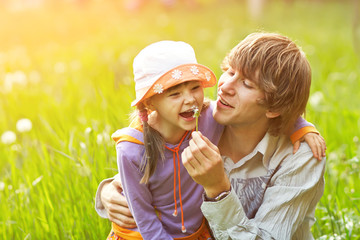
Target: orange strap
x,y
175,151
125,233
202,233
301,132
120,137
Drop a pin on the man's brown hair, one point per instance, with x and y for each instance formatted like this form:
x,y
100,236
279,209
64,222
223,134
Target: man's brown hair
x,y
280,69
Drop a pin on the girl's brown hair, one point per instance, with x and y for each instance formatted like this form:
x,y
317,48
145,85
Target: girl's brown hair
x,y
280,69
154,148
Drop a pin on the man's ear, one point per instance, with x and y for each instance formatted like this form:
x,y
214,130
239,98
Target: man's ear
x,y
270,114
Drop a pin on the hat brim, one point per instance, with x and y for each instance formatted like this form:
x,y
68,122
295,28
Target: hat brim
x,y
180,74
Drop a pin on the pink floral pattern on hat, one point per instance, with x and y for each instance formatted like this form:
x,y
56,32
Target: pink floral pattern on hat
x,y
194,70
176,74
158,88
208,76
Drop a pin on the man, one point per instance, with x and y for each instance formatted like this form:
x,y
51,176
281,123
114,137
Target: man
x,y
266,191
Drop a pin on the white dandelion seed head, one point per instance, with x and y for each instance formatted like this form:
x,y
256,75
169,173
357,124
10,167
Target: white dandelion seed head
x,y
88,130
20,78
158,88
24,125
99,139
8,137
2,186
316,99
176,74
194,70
82,145
59,67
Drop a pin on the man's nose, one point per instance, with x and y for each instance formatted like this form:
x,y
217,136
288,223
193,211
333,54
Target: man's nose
x,y
227,85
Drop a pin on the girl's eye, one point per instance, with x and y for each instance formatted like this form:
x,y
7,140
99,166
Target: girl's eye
x,y
196,87
174,94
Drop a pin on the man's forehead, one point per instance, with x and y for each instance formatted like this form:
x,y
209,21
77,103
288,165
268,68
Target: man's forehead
x,y
244,73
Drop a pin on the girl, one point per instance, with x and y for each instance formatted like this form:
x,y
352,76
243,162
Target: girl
x,y
162,197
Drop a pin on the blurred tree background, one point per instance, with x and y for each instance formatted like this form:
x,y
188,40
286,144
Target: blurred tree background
x,y
66,85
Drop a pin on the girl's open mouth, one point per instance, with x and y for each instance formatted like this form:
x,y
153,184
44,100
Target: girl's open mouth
x,y
189,115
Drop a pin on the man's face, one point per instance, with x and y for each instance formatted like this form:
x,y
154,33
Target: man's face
x,y
238,101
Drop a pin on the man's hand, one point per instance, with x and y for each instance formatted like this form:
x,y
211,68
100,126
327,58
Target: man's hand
x,y
116,205
316,143
204,164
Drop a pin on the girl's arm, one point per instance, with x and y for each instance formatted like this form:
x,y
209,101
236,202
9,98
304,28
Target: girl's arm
x,y
305,131
138,195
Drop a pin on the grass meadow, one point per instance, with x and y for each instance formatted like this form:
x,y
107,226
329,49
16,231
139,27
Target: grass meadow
x,y
66,68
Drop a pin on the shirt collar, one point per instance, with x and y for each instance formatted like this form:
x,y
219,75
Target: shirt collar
x,y
266,148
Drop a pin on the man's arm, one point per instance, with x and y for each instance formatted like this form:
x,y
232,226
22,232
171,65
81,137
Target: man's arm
x,y
110,203
287,208
288,205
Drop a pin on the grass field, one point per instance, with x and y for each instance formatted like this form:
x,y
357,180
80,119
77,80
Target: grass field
x,y
68,69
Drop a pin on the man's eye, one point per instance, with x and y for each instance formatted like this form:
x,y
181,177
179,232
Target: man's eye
x,y
196,87
246,84
231,71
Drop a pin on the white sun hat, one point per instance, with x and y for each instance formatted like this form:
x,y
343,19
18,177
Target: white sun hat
x,y
164,64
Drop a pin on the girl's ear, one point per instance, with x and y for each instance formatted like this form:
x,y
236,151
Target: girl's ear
x,y
270,114
148,104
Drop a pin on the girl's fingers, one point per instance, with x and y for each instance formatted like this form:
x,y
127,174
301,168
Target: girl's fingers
x,y
296,146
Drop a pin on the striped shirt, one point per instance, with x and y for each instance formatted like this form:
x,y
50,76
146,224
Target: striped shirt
x,y
274,193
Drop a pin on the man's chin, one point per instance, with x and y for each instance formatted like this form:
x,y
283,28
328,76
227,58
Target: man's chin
x,y
220,117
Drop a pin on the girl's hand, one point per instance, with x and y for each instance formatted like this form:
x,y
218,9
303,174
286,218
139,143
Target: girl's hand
x,y
316,143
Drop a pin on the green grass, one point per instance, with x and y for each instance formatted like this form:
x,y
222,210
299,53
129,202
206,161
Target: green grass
x,y
77,65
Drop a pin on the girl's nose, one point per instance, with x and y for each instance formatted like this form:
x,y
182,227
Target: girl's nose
x,y
189,98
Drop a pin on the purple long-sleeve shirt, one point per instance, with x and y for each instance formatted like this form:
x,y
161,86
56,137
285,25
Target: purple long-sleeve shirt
x,y
159,192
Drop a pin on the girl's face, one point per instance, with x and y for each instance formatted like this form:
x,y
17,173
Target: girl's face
x,y
174,108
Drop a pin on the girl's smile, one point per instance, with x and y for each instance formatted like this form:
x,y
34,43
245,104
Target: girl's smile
x,y
174,109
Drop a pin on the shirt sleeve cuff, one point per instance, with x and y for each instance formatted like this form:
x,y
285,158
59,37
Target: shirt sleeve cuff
x,y
99,207
225,213
301,132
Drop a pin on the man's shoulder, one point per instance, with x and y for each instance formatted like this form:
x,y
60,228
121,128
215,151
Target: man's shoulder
x,y
303,156
283,152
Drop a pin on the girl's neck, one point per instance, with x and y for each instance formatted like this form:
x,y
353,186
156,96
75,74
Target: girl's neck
x,y
171,135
